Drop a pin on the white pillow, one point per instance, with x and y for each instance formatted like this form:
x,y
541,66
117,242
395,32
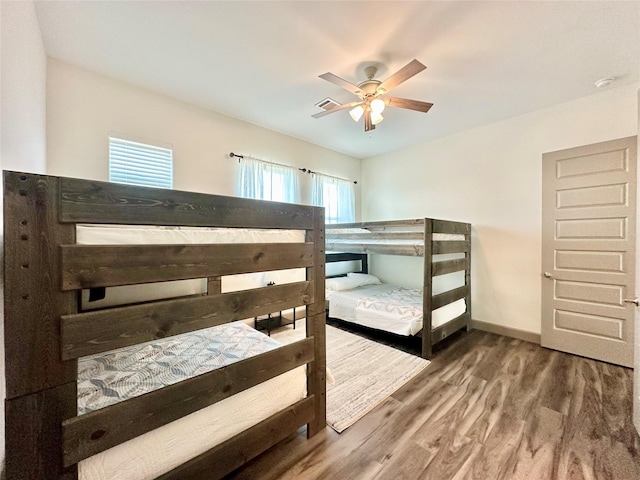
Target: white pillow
x,y
365,278
351,281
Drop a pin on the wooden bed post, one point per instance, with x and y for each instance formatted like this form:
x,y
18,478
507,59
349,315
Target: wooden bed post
x,y
467,278
316,321
428,289
41,388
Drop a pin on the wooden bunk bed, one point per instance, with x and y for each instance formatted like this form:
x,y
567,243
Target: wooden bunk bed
x,y
424,237
46,331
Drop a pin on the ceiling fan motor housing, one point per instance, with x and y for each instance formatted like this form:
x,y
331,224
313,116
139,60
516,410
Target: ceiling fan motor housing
x,y
369,88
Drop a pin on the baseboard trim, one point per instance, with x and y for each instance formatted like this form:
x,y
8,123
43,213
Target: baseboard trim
x,y
506,331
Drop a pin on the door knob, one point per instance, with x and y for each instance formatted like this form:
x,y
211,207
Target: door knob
x,y
635,301
547,275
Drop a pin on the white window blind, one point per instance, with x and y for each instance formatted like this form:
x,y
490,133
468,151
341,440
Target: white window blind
x,y
138,163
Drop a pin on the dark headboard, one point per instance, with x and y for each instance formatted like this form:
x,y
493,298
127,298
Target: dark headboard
x,y
363,258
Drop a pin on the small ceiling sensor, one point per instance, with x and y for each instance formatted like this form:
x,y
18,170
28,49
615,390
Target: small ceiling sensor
x,y
604,82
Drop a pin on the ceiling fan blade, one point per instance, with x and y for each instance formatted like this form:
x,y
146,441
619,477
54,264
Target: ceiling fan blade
x,y
330,77
368,125
416,105
405,73
335,109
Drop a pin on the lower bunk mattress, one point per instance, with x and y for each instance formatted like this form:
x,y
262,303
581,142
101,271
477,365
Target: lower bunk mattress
x,y
115,376
388,307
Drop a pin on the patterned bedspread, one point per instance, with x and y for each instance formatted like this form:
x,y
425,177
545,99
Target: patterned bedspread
x,y
112,377
401,301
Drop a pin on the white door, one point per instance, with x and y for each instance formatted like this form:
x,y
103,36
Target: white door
x,y
588,250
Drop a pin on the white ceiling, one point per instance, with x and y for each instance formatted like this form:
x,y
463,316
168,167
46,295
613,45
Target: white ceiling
x,y
260,61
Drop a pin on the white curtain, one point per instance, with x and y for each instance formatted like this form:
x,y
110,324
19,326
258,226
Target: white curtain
x,y
267,181
336,196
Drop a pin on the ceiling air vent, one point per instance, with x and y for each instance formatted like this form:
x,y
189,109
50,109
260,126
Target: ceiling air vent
x,y
327,104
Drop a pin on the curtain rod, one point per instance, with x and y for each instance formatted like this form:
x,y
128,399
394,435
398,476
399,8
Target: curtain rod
x,y
305,170
325,175
260,160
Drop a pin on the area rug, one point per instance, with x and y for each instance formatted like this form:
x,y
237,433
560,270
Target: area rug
x,y
365,373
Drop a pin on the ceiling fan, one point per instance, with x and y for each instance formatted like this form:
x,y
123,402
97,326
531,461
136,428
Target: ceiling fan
x,y
371,103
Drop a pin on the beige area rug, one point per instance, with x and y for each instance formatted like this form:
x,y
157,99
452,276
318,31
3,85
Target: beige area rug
x,y
365,372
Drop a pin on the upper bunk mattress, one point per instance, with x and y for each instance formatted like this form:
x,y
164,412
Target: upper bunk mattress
x,y
357,240
115,376
388,307
147,235
128,234
336,241
397,241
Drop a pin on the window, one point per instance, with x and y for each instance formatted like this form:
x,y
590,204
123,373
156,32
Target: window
x,y
274,186
138,163
337,196
267,181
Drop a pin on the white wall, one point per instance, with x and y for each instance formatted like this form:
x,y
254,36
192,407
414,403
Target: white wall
x,y
23,87
83,107
491,177
22,117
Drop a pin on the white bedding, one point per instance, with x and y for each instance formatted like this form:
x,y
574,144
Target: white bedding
x,y
106,376
128,234
396,241
387,307
381,241
141,235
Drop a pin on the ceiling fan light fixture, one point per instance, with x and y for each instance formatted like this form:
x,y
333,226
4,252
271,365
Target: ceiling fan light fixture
x,y
376,118
377,106
356,113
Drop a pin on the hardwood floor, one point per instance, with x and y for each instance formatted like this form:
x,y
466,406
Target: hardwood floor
x,y
487,408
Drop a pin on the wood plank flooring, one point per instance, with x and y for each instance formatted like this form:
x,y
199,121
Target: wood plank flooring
x,y
488,408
